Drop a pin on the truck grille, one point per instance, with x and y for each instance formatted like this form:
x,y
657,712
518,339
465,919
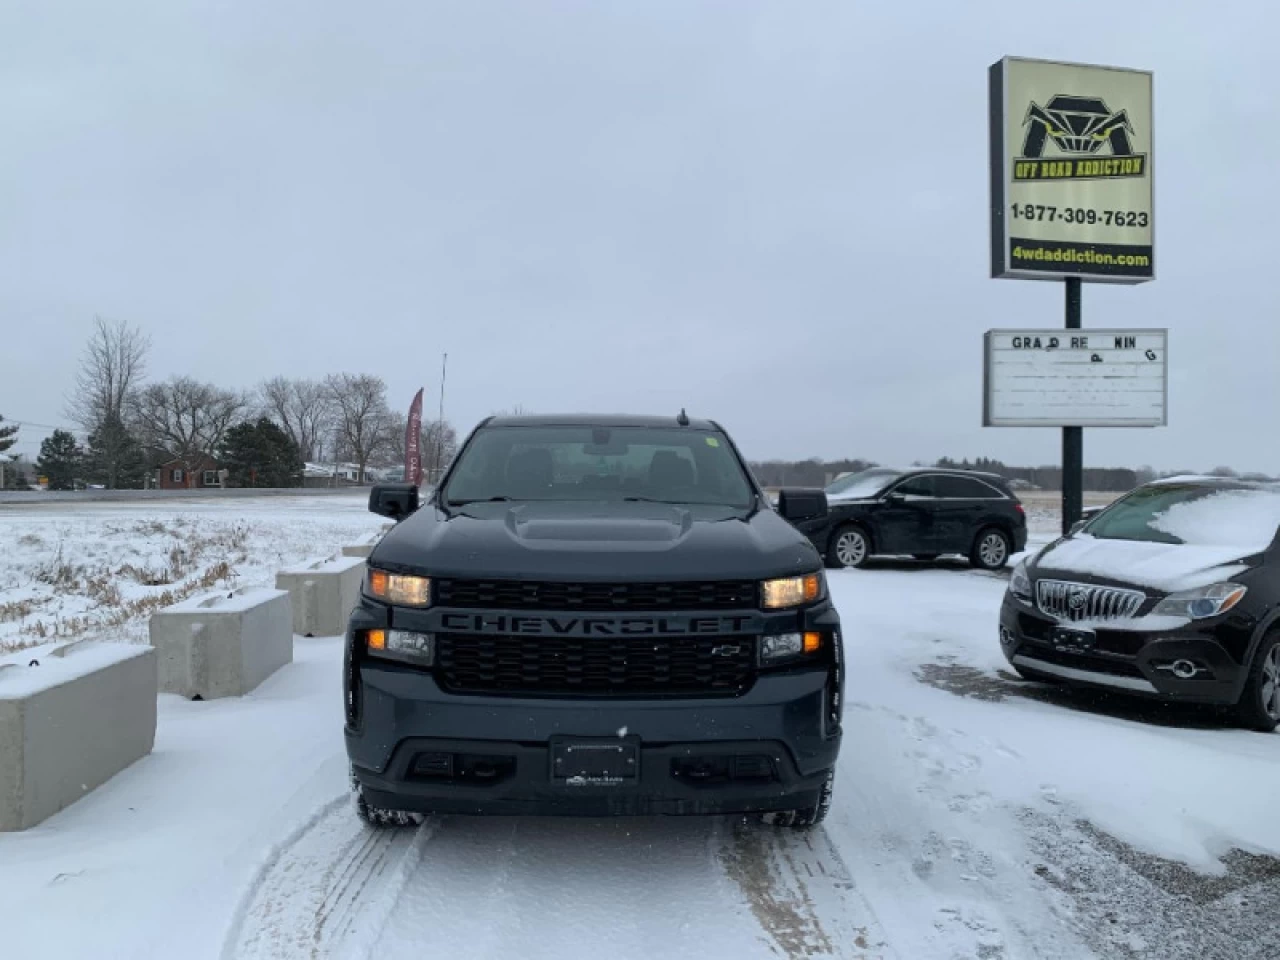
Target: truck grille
x,y
595,666
550,595
1084,601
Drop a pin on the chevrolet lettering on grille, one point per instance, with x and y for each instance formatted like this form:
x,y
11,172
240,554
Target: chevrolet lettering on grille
x,y
575,626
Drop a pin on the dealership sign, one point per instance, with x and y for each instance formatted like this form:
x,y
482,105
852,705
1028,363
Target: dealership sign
x,y
1071,172
1076,378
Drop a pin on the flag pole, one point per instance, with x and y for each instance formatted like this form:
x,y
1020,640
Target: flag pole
x,y
444,368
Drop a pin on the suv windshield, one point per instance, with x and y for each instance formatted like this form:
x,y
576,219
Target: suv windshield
x,y
666,465
858,486
1192,514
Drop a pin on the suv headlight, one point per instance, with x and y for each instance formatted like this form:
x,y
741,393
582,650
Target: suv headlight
x,y
399,589
1020,583
790,591
1202,603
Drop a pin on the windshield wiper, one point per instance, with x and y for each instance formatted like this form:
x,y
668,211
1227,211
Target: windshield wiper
x,y
648,500
463,503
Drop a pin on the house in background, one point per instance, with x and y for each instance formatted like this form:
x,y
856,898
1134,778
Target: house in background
x,y
176,474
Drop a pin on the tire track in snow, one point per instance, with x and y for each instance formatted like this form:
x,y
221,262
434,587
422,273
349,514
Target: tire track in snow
x,y
801,893
328,888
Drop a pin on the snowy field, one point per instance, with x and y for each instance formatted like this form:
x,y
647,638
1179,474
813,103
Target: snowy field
x,y
975,816
70,570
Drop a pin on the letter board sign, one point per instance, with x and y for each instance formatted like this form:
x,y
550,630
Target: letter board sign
x,y
1076,378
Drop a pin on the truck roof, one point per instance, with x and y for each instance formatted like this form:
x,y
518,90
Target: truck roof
x,y
596,420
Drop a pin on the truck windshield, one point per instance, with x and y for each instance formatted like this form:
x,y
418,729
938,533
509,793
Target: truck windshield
x,y
666,465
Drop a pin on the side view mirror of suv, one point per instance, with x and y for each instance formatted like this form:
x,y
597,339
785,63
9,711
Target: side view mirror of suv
x,y
393,500
798,504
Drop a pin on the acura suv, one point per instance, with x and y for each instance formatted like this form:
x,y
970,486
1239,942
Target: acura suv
x,y
1172,592
920,513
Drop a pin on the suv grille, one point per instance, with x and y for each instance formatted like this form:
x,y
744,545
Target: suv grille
x,y
1084,601
544,595
595,666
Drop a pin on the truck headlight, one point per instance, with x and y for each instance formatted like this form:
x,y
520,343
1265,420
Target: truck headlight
x,y
1202,603
1020,583
406,645
400,589
791,591
785,646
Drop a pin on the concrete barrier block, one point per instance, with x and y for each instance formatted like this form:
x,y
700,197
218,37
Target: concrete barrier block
x,y
72,716
223,645
364,547
323,594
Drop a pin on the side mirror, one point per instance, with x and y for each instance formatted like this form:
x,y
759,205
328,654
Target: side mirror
x,y
896,498
393,500
796,504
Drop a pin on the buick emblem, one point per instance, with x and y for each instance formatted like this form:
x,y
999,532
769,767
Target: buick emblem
x,y
1078,600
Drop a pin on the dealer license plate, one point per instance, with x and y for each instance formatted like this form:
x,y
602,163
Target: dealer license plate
x,y
1070,640
594,763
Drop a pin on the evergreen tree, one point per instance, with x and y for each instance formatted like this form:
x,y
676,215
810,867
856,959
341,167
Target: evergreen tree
x,y
115,458
61,460
261,455
8,435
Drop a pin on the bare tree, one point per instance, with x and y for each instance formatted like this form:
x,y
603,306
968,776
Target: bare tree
x,y
361,417
111,369
185,418
439,443
303,408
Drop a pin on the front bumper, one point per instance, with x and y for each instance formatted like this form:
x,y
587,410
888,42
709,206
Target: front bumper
x,y
1126,661
415,746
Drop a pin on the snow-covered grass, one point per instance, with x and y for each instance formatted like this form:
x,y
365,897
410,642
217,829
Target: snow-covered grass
x,y
100,569
975,816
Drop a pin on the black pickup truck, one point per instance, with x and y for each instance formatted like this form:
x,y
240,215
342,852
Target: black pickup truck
x,y
594,616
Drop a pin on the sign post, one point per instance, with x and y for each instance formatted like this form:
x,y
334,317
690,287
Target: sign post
x,y
1071,191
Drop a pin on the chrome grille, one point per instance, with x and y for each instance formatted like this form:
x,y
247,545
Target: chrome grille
x,y
1084,601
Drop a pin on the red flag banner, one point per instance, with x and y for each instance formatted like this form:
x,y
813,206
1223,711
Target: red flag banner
x,y
413,442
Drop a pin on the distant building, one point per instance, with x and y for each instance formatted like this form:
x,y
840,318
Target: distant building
x,y
177,474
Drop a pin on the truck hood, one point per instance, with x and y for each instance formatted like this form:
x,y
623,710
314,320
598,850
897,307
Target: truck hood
x,y
598,541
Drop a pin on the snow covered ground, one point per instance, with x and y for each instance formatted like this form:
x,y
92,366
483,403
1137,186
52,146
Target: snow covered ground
x,y
976,816
71,569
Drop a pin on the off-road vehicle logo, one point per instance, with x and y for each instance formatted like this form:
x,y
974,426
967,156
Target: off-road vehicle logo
x,y
1080,127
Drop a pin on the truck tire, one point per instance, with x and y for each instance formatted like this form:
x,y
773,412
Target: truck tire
x,y
380,818
805,817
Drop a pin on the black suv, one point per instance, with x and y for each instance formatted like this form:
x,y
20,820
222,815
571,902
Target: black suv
x,y
921,513
594,616
1171,592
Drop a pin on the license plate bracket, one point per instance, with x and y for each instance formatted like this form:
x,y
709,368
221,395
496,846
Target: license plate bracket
x,y
580,762
1074,640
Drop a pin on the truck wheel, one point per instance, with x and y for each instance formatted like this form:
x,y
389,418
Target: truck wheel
x,y
849,547
380,818
991,549
1259,706
805,817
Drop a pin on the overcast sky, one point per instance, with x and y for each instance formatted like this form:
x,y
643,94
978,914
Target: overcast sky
x,y
774,214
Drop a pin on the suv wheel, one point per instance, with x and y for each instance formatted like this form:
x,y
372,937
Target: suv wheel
x,y
805,817
380,818
849,547
991,549
1259,707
